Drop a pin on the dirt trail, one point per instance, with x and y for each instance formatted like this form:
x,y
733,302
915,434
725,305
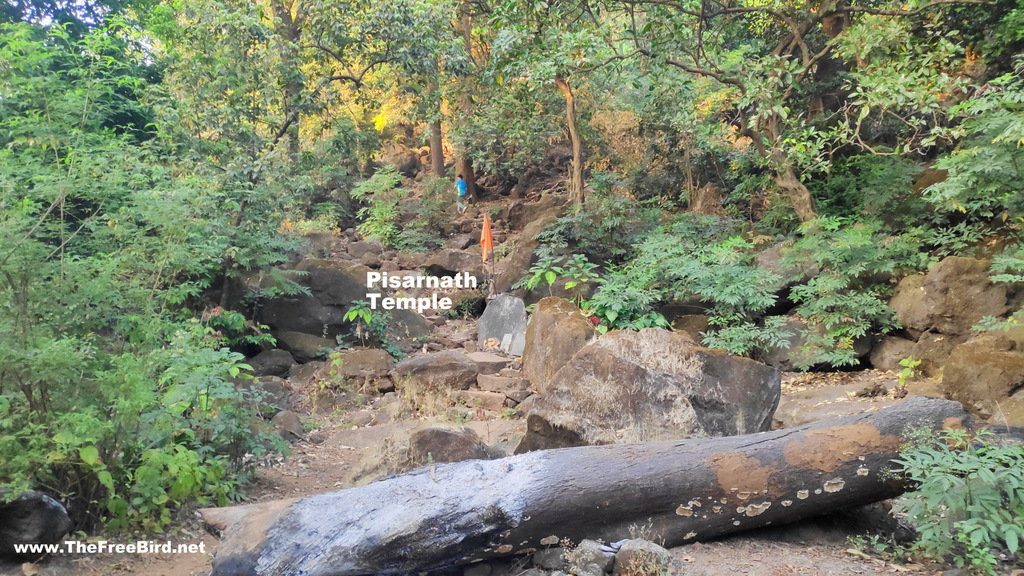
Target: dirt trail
x,y
349,455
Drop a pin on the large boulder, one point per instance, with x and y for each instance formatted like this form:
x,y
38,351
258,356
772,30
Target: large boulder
x,y
334,282
502,320
888,353
359,249
451,262
556,331
987,377
407,330
910,302
404,160
31,518
368,364
271,363
305,347
269,394
439,371
302,313
933,350
955,294
657,385
436,445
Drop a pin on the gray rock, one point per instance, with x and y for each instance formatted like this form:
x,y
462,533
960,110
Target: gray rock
x,y
478,399
272,395
641,557
590,570
407,330
289,424
370,260
888,353
657,385
332,282
305,314
488,363
590,552
360,249
437,371
462,241
361,418
31,518
410,260
550,558
451,262
271,363
504,315
951,298
367,364
305,347
556,331
496,383
436,445
518,345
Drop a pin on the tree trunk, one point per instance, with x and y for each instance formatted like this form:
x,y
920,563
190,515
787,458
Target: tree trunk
x,y
680,491
463,163
290,29
798,194
464,166
576,181
436,149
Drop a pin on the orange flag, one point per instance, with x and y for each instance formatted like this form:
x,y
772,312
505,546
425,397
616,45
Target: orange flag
x,y
486,240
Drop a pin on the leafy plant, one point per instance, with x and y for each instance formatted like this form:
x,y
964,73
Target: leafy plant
x,y
909,371
968,497
381,213
844,301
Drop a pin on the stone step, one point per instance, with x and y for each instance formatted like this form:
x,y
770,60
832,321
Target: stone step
x,y
510,373
481,399
489,363
493,383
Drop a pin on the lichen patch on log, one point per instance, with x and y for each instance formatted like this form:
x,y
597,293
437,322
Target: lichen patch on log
x,y
741,474
827,449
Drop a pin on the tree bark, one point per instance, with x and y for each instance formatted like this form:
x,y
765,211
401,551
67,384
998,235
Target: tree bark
x,y
436,149
464,166
576,180
798,194
463,163
679,491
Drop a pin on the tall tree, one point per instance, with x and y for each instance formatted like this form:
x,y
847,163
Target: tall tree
x,y
555,44
781,62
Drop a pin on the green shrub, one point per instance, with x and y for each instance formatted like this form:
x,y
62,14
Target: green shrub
x,y
434,207
967,499
606,230
381,213
847,298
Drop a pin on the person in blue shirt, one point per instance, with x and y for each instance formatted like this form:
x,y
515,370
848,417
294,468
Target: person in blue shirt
x,y
460,188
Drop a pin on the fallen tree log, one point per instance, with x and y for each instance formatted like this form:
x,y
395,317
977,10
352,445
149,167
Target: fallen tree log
x,y
676,491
